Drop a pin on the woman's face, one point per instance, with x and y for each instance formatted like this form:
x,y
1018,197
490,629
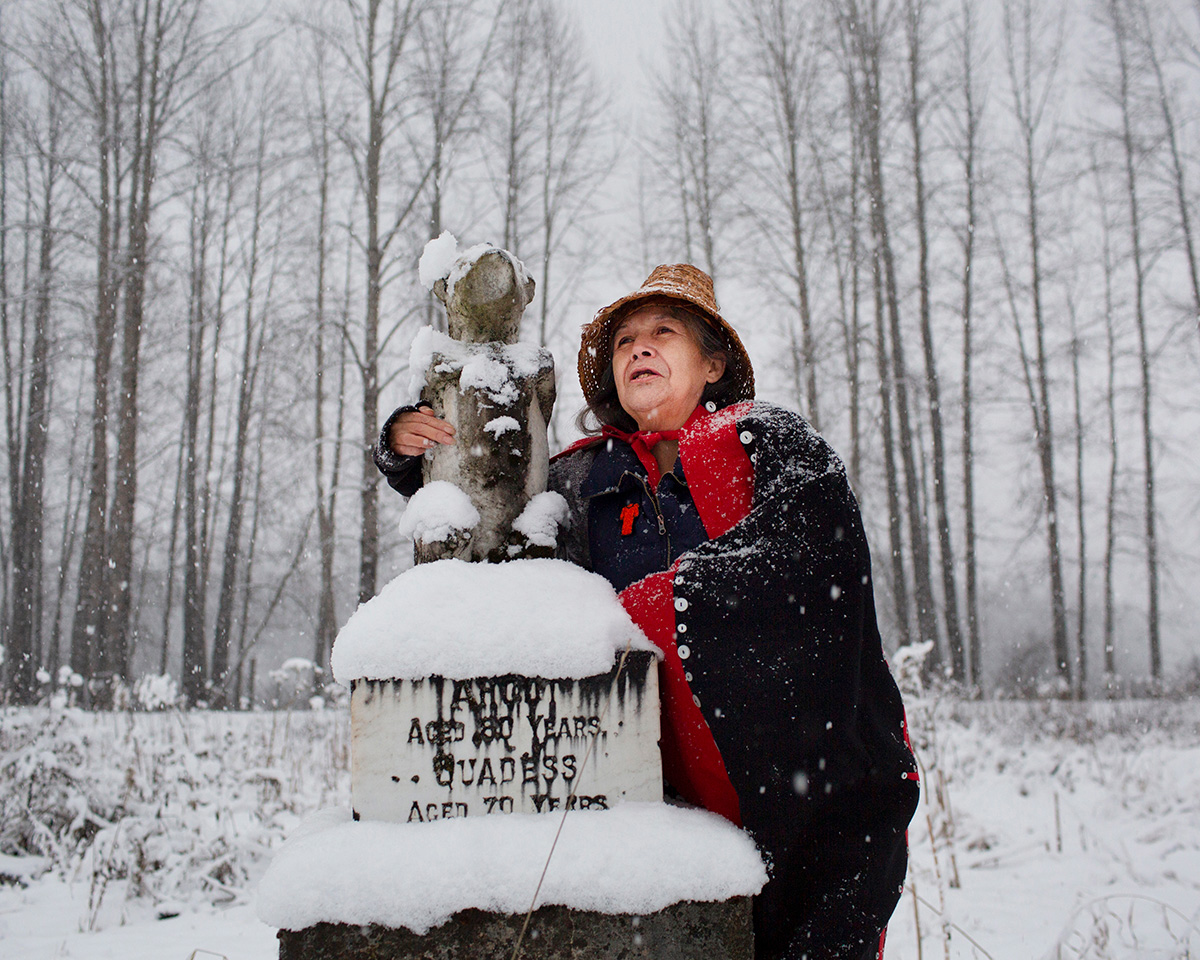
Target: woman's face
x,y
659,368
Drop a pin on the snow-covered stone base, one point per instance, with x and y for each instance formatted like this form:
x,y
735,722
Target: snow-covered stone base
x,y
634,860
683,931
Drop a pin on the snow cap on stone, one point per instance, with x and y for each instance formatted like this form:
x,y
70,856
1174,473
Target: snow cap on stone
x,y
541,518
437,259
492,369
536,618
437,512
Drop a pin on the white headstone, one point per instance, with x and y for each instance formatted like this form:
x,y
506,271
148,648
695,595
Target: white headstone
x,y
437,748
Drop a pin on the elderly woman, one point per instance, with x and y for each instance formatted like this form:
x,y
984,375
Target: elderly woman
x,y
729,530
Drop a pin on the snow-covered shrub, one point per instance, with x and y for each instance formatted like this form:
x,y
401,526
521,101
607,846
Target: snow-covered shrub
x,y
1185,684
154,692
44,807
908,667
1128,925
297,684
151,811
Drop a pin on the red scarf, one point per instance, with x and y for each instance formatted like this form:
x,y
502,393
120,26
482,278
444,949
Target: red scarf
x,y
644,441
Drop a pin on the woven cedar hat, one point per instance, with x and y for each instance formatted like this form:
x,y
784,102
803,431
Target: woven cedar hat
x,y
676,282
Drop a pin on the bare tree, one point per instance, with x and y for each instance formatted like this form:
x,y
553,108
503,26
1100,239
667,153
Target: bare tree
x,y
319,123
782,52
10,426
254,328
17,342
73,504
873,29
1031,72
512,127
845,249
451,61
1132,152
94,59
165,32
194,658
1110,405
968,141
1081,660
914,16
1144,30
571,165
541,109
691,96
214,145
28,521
865,121
373,57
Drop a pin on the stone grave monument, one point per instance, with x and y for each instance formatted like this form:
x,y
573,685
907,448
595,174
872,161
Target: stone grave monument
x,y
506,785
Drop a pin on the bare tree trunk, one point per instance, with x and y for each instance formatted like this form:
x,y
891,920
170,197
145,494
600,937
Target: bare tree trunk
x,y
25,631
958,667
690,92
1081,623
251,355
109,662
72,507
862,125
846,270
852,324
157,24
1019,40
326,498
1171,129
869,41
194,659
16,375
970,133
378,64
895,529
1110,515
248,583
164,650
854,332
572,163
369,365
205,514
90,620
1110,403
24,635
10,431
785,57
1132,159
517,75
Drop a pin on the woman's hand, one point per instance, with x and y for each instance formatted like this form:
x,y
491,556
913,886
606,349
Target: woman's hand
x,y
411,434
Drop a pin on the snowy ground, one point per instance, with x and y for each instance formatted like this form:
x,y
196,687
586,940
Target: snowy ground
x,y
1061,832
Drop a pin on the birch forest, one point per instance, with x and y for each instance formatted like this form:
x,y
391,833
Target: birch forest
x,y
957,235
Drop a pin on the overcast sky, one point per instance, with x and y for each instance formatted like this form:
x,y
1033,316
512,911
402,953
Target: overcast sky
x,y
622,37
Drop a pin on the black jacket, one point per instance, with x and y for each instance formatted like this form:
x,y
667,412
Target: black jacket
x,y
784,655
